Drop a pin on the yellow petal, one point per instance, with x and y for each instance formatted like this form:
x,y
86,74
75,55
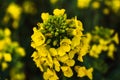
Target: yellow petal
x,y
89,73
58,11
7,57
53,51
67,71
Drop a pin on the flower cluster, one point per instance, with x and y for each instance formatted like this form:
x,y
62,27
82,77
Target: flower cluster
x,y
102,39
59,43
10,55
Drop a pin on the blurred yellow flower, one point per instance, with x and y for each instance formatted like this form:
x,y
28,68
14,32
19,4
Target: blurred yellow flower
x,y
95,4
53,1
111,49
83,3
95,51
7,32
29,7
67,71
106,11
7,57
115,38
14,10
4,65
82,71
20,51
58,12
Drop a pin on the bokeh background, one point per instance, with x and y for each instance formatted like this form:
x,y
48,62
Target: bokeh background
x,y
20,16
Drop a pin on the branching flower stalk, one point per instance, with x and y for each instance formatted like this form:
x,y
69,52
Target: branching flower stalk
x,y
57,41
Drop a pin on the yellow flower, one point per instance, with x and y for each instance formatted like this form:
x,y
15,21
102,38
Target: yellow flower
x,y
75,41
7,32
106,11
58,12
82,71
53,51
95,51
42,51
4,65
1,55
116,39
72,53
38,38
60,51
14,10
65,45
111,49
78,24
45,16
83,3
2,44
37,60
70,62
63,58
29,7
67,71
53,1
7,57
56,64
50,75
95,4
20,51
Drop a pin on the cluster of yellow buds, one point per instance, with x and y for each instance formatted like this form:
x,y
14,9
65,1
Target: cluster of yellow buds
x,y
102,39
59,43
10,55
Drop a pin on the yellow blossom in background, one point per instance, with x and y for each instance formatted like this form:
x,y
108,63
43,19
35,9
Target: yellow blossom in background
x,y
7,32
7,57
106,11
95,4
20,51
116,39
53,1
111,49
114,4
83,3
102,41
29,7
14,10
4,65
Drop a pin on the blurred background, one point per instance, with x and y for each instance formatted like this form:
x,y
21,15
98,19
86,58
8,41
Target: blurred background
x,y
18,17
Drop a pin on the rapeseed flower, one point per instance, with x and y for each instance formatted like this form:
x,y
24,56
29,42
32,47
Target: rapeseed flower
x,y
10,52
82,71
55,46
102,40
